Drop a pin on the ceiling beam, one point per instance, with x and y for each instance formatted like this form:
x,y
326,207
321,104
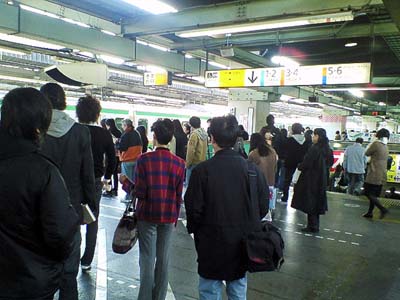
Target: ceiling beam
x,y
393,7
308,34
18,22
236,12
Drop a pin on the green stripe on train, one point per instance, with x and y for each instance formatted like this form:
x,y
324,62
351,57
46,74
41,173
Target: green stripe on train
x,y
165,115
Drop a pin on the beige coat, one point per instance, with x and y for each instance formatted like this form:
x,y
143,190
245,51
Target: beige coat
x,y
267,164
377,167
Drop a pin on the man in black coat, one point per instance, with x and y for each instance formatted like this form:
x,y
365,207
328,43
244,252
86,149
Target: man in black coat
x,y
68,144
219,213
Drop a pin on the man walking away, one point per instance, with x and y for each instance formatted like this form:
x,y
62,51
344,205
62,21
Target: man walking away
x,y
88,112
67,143
196,147
219,213
159,184
354,165
294,151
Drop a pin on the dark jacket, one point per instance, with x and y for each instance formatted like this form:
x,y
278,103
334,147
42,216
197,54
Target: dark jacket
x,y
294,151
130,146
68,144
102,145
310,190
218,210
181,144
37,223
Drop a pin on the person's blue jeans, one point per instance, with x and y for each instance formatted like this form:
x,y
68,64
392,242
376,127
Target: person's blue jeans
x,y
127,169
154,249
355,183
212,289
188,174
69,285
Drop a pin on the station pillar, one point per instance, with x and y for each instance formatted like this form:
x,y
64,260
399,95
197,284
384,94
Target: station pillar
x,y
250,108
334,120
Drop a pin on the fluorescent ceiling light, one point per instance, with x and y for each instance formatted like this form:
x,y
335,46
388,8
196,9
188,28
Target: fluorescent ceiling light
x,y
158,47
124,73
112,59
356,92
188,56
362,89
12,51
20,79
285,97
122,93
108,32
382,103
349,45
75,22
142,42
151,68
266,25
29,42
152,6
38,11
86,53
218,65
284,61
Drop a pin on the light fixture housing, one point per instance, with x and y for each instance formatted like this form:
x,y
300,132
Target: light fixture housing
x,y
271,24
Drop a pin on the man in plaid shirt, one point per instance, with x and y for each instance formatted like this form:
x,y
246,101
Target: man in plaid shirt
x,y
158,185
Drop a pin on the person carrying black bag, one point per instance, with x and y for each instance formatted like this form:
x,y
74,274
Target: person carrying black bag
x,y
220,213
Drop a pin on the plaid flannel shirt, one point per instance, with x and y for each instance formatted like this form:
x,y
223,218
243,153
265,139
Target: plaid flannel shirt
x,y
158,184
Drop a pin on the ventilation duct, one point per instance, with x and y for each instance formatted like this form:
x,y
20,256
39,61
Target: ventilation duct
x,y
79,74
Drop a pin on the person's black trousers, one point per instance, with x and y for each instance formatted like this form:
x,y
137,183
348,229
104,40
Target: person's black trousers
x,y
287,181
313,222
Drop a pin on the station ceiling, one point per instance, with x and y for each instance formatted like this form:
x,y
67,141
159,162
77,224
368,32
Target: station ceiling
x,y
375,27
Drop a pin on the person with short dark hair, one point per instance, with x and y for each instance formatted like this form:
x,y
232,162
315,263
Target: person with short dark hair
x,y
310,190
354,165
337,136
38,222
294,151
67,143
158,187
116,135
196,147
377,172
220,213
88,112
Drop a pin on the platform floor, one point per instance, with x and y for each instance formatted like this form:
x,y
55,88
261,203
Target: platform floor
x,y
351,258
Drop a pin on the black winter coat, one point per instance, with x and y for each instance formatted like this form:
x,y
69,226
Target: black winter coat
x,y
181,144
72,153
219,213
310,190
293,153
37,223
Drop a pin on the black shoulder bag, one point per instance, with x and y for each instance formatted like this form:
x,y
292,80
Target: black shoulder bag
x,y
126,233
264,247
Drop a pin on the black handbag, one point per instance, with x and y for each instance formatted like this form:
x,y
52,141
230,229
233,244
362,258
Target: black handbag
x,y
264,246
126,233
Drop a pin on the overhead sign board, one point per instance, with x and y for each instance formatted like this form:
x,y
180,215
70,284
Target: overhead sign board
x,y
356,73
157,78
373,111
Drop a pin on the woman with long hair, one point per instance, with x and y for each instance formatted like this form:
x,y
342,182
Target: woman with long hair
x,y
181,139
116,135
265,157
310,189
143,135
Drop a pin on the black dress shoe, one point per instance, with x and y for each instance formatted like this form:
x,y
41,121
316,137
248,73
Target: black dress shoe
x,y
367,215
309,230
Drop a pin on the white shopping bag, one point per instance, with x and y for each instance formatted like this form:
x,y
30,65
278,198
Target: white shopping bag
x,y
296,176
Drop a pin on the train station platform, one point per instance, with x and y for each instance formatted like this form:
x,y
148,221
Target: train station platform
x,y
350,258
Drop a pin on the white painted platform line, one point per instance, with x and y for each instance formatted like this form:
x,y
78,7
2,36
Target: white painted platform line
x,y
113,207
110,217
101,277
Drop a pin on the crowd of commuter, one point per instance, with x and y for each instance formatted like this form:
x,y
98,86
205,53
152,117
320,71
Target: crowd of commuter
x,y
59,164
